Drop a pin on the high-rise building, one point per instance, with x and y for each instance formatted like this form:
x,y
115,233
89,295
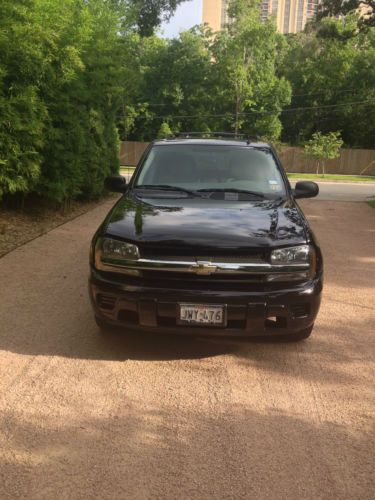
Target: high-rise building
x,y
290,15
215,13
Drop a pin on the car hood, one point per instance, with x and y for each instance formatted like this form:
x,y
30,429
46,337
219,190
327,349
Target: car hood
x,y
195,222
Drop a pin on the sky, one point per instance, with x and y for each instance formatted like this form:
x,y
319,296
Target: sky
x,y
187,15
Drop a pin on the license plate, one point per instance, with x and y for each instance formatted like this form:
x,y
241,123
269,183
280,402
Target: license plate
x,y
202,314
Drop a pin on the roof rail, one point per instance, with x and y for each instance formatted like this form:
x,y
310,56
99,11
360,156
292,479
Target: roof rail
x,y
207,135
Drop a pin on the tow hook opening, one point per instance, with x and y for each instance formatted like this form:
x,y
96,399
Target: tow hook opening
x,y
275,322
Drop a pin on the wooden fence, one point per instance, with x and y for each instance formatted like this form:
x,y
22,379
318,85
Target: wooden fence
x,y
130,152
350,161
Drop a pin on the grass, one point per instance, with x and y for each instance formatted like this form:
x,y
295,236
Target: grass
x,y
371,203
126,170
334,177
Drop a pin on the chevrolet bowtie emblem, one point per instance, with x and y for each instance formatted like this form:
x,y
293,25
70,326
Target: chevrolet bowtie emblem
x,y
204,268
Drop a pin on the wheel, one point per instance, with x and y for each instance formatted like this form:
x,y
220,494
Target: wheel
x,y
103,325
301,335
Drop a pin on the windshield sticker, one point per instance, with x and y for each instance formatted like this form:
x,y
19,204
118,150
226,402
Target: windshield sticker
x,y
274,185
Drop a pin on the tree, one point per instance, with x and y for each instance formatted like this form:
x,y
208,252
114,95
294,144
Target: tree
x,y
247,86
323,147
177,84
333,82
22,111
59,96
81,91
336,8
146,15
164,131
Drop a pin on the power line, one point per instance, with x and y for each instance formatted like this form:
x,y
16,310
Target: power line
x,y
293,95
323,93
329,105
287,110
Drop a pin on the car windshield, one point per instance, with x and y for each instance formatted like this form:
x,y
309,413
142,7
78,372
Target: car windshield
x,y
220,168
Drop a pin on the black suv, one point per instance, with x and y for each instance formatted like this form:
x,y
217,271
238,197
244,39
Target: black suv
x,y
207,239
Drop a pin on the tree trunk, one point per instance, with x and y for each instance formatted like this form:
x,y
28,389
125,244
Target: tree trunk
x,y
237,110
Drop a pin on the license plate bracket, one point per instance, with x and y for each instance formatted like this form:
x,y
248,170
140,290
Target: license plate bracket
x,y
211,315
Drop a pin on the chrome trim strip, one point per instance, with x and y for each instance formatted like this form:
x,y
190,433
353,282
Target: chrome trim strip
x,y
200,268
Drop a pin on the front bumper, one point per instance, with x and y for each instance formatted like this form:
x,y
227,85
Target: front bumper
x,y
278,311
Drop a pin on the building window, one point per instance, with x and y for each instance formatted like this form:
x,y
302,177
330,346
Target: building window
x,y
312,7
300,15
224,13
264,9
286,16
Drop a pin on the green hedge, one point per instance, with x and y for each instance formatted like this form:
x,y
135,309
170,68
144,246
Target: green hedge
x,y
58,97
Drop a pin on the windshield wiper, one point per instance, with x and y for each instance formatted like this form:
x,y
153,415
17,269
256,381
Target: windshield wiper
x,y
166,187
230,190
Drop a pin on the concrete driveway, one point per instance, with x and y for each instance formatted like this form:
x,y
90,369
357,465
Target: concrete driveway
x,y
129,416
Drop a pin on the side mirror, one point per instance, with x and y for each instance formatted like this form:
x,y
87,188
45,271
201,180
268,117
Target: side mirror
x,y
306,189
115,183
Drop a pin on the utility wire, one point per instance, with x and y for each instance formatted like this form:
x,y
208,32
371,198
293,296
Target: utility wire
x,y
287,110
329,105
323,93
293,95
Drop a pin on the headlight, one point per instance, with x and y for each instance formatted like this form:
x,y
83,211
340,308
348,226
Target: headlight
x,y
110,256
113,250
293,263
292,255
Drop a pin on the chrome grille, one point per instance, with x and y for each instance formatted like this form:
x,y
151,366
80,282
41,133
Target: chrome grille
x,y
227,259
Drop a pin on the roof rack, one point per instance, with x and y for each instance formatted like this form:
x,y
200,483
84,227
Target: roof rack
x,y
207,135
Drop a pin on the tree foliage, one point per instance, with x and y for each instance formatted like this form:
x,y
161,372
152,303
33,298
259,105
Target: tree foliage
x,y
164,131
22,111
59,91
81,139
336,8
323,147
207,81
245,71
333,83
177,84
75,75
149,14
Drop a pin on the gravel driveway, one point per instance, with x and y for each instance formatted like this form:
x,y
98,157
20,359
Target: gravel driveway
x,y
128,416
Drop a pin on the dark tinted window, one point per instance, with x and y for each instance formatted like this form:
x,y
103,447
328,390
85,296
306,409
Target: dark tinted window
x,y
205,166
